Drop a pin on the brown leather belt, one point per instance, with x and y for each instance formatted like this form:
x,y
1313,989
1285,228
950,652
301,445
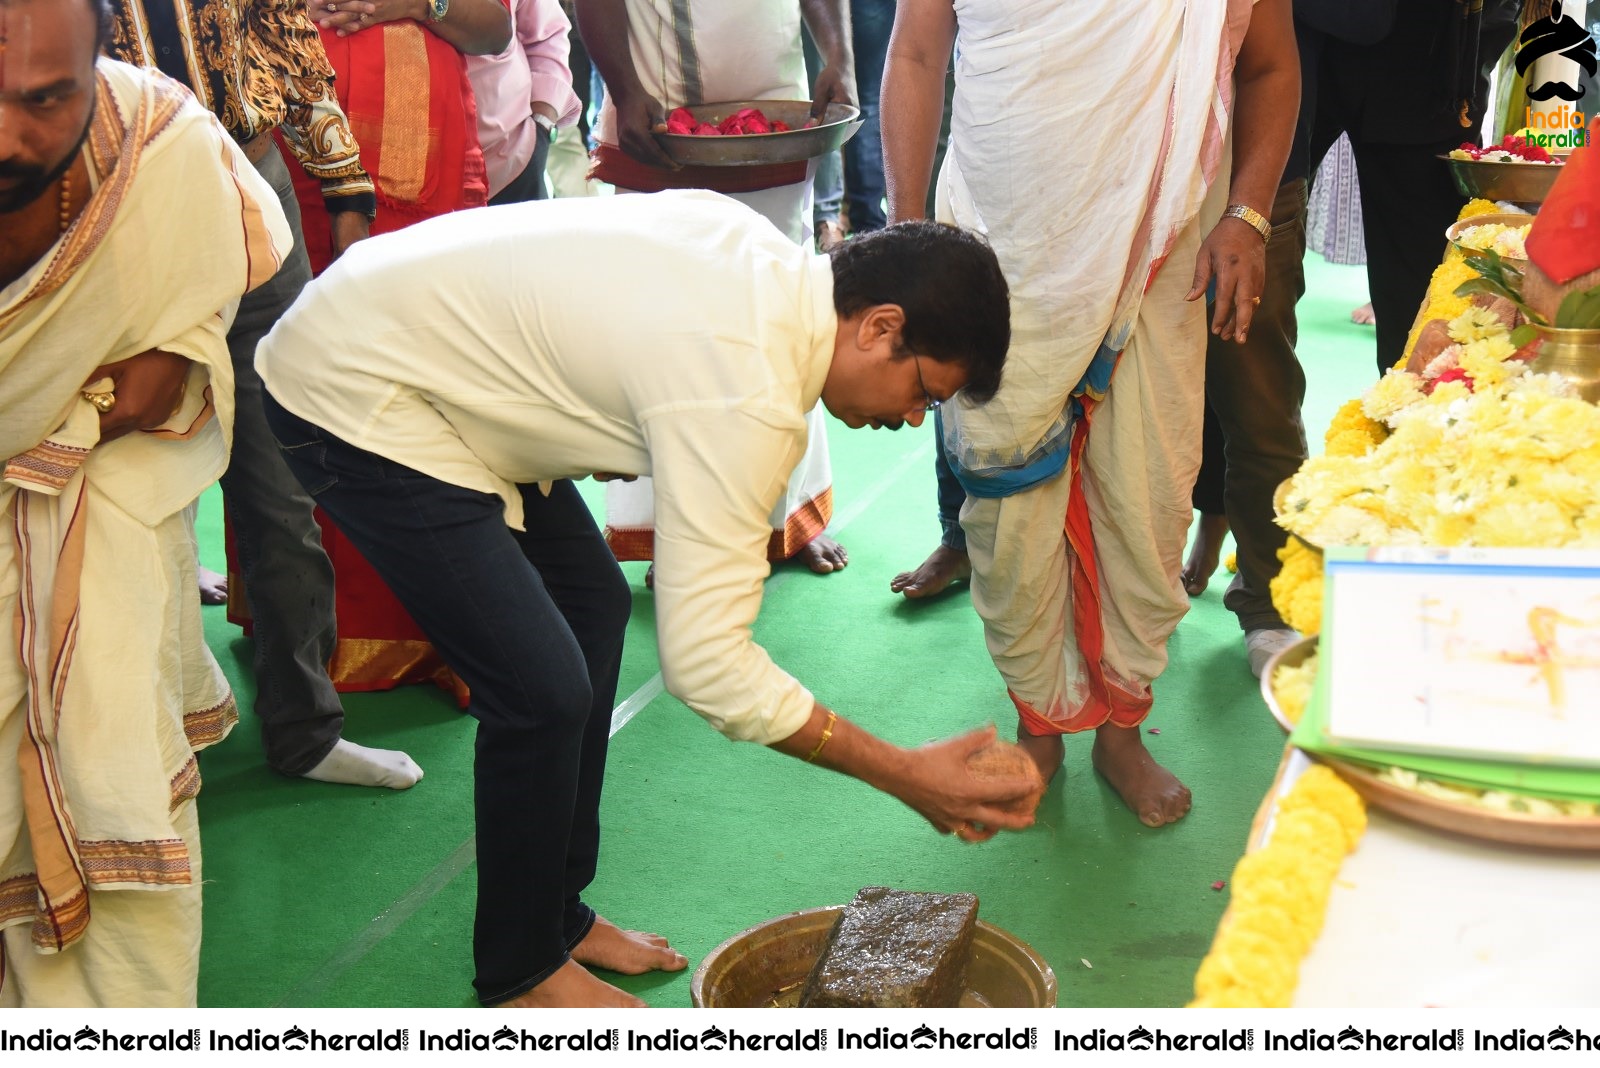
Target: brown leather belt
x,y
257,147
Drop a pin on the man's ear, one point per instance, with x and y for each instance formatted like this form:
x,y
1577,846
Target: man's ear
x,y
880,321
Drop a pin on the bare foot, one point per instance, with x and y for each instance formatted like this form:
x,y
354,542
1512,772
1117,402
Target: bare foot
x,y
1363,315
213,587
628,952
1154,793
572,987
650,577
822,555
1207,552
942,567
1046,751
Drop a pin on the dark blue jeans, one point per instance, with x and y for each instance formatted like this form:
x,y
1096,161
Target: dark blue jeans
x,y
533,622
870,23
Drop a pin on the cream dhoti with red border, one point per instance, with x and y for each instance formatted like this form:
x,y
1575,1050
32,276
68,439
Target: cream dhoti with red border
x,y
709,51
107,689
1084,141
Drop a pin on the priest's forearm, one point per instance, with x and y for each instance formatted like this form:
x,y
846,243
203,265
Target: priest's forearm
x,y
912,102
1266,104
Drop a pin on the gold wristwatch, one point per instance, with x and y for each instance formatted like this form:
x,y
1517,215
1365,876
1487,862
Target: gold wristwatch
x,y
1250,215
437,10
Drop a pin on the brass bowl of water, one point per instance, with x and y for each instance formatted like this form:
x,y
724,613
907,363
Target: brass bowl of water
x,y
765,966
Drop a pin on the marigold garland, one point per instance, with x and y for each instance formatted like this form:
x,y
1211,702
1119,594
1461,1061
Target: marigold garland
x,y
1280,896
1351,433
1297,587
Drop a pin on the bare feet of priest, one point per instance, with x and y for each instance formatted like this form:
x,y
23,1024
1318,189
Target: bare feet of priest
x,y
1206,553
356,765
1363,315
823,555
213,587
1154,793
1046,751
572,987
628,952
942,567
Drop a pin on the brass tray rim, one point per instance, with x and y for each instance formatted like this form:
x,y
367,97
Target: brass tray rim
x,y
697,982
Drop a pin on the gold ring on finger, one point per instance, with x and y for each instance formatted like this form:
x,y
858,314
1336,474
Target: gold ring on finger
x,y
1255,300
103,402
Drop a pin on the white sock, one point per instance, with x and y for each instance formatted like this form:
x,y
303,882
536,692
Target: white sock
x,y
357,765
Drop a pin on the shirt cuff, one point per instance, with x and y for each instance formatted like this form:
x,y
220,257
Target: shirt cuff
x,y
365,203
559,95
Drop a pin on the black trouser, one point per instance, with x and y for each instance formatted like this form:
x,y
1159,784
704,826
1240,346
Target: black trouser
x,y
1408,199
1253,396
533,622
288,581
529,185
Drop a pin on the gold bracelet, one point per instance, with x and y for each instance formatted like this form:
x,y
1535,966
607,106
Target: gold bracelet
x,y
827,732
1246,214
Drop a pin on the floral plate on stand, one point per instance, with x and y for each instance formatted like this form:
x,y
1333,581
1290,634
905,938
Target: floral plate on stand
x,y
1489,815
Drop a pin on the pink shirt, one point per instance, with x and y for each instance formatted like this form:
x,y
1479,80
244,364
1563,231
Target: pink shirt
x,y
532,68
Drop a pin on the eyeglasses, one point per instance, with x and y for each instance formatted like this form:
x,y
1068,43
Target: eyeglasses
x,y
933,405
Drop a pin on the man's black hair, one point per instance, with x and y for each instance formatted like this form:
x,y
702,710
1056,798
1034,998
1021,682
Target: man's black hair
x,y
949,284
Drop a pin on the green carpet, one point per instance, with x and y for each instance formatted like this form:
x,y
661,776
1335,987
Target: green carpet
x,y
323,895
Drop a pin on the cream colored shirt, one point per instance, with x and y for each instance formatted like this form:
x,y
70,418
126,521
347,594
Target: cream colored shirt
x,y
677,335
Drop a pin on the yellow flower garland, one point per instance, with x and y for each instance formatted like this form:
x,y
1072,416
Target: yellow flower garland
x,y
1280,892
1297,587
1280,896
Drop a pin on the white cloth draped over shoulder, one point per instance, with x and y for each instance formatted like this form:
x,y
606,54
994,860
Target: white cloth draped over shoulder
x,y
106,686
1085,139
1082,164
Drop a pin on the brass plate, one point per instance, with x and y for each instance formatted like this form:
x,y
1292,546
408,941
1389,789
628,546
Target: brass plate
x,y
1580,833
1506,218
1571,833
1289,656
1520,183
765,966
839,124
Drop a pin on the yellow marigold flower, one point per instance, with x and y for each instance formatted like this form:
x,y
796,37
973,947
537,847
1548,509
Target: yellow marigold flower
x,y
1321,789
1280,896
1231,563
1277,877
1351,433
1244,959
1297,588
1271,922
1477,206
1314,838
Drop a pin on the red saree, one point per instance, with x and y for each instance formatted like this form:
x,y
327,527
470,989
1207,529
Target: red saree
x,y
411,108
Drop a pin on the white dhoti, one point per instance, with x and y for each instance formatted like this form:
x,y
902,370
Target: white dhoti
x,y
1138,471
1084,140
107,689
